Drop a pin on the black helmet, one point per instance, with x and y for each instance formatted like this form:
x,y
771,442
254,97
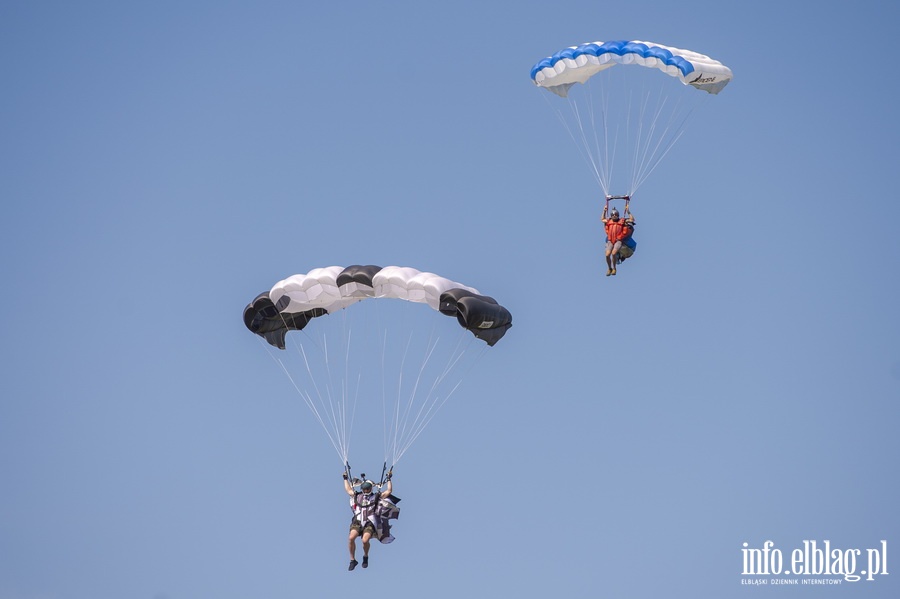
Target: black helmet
x,y
366,486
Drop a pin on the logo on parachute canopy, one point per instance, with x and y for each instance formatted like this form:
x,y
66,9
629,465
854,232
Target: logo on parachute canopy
x,y
702,79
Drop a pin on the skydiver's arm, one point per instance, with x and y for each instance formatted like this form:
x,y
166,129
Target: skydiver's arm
x,y
389,489
347,487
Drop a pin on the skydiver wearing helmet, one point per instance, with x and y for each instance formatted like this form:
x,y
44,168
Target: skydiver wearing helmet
x,y
371,512
619,245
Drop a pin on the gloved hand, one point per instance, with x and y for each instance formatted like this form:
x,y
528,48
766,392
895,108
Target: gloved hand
x,y
389,475
345,476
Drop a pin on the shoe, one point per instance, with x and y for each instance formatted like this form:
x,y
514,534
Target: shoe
x,y
365,561
353,563
612,272
609,271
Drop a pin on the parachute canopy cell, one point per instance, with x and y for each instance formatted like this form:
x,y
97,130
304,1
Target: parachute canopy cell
x,y
577,64
293,302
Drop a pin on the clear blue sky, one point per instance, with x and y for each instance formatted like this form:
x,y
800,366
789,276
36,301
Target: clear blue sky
x,y
162,163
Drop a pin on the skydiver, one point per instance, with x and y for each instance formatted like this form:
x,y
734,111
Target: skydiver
x,y
371,511
617,231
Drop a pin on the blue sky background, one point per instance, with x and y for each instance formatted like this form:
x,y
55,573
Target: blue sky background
x,y
738,381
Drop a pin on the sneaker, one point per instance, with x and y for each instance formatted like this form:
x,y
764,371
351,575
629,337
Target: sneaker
x,y
609,271
365,561
612,272
353,563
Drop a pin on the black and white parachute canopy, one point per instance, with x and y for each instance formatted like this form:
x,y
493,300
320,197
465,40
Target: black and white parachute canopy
x,y
293,302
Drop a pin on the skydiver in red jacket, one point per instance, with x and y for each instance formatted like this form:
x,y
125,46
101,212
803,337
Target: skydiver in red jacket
x,y
617,231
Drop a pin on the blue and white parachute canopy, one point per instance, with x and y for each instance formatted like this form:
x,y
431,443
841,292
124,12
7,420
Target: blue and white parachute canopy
x,y
577,64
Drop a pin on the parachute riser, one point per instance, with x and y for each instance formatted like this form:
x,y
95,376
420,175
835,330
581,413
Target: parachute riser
x,y
627,203
385,473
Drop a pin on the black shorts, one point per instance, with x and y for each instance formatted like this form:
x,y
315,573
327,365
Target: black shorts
x,y
355,525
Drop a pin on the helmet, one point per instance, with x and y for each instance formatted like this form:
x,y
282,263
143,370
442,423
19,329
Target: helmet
x,y
614,214
366,486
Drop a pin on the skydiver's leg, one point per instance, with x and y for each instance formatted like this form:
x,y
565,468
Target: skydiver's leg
x,y
352,543
609,265
367,536
615,255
